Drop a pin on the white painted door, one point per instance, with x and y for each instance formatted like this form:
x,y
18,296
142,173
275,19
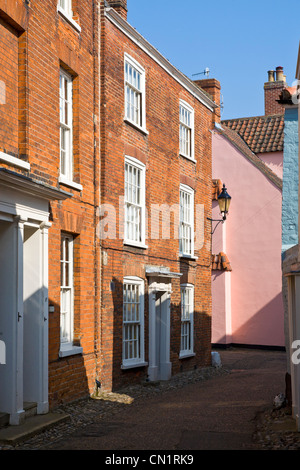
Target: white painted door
x,y
162,336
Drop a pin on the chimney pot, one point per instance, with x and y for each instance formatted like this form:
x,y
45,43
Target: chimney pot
x,y
279,74
271,75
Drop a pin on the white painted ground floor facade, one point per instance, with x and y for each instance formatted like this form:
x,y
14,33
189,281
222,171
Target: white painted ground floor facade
x,y
24,225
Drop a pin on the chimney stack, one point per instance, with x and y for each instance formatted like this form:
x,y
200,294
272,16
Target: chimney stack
x,y
273,88
120,6
213,88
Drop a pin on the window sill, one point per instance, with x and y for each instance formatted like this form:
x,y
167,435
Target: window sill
x,y
69,19
186,355
71,184
192,258
69,350
132,366
136,126
187,157
135,244
14,161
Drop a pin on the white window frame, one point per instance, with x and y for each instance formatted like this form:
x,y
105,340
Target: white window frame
x,y
64,7
67,299
186,221
66,126
131,206
187,320
137,360
138,92
187,128
67,289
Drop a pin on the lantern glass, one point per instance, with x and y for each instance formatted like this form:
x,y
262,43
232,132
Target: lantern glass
x,y
224,201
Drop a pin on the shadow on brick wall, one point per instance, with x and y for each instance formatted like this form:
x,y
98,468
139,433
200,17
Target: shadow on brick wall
x,y
202,340
68,375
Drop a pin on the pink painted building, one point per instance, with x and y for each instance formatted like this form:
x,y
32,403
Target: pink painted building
x,y
246,271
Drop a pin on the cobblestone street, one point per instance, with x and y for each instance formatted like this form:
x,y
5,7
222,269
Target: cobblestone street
x,y
213,408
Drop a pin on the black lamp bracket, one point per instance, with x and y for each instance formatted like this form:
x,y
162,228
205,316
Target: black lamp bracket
x,y
219,221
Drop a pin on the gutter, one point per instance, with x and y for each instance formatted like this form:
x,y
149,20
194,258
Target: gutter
x,y
145,46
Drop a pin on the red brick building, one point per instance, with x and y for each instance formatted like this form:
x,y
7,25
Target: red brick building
x,y
155,200
48,198
105,190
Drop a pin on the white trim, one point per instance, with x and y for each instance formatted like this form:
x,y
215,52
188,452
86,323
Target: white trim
x,y
30,187
132,366
66,126
142,91
187,352
133,124
26,211
67,343
144,45
68,18
131,363
187,189
142,167
4,157
135,244
63,180
69,350
183,355
159,368
191,110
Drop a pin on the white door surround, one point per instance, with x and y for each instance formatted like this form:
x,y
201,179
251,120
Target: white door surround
x,y
160,289
24,224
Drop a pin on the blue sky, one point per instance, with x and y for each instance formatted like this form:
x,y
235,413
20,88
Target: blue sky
x,y
238,40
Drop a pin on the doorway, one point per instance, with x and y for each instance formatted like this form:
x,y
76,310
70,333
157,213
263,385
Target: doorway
x,y
23,317
160,367
162,334
32,313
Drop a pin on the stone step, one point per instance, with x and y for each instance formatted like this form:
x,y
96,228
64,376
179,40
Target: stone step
x,y
30,409
12,435
4,419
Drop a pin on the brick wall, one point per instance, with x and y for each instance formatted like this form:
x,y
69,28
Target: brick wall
x,y
37,40
272,92
165,170
40,40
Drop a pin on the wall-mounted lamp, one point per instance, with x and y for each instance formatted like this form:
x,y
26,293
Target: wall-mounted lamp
x,y
224,203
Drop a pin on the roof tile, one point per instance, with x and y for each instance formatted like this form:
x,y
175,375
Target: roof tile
x,y
236,140
220,262
261,133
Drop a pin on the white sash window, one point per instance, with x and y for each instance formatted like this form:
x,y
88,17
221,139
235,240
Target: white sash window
x,y
186,221
187,320
66,289
186,130
133,321
66,125
66,6
134,202
134,92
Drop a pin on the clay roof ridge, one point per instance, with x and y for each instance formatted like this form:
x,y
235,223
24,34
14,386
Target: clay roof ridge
x,y
264,116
